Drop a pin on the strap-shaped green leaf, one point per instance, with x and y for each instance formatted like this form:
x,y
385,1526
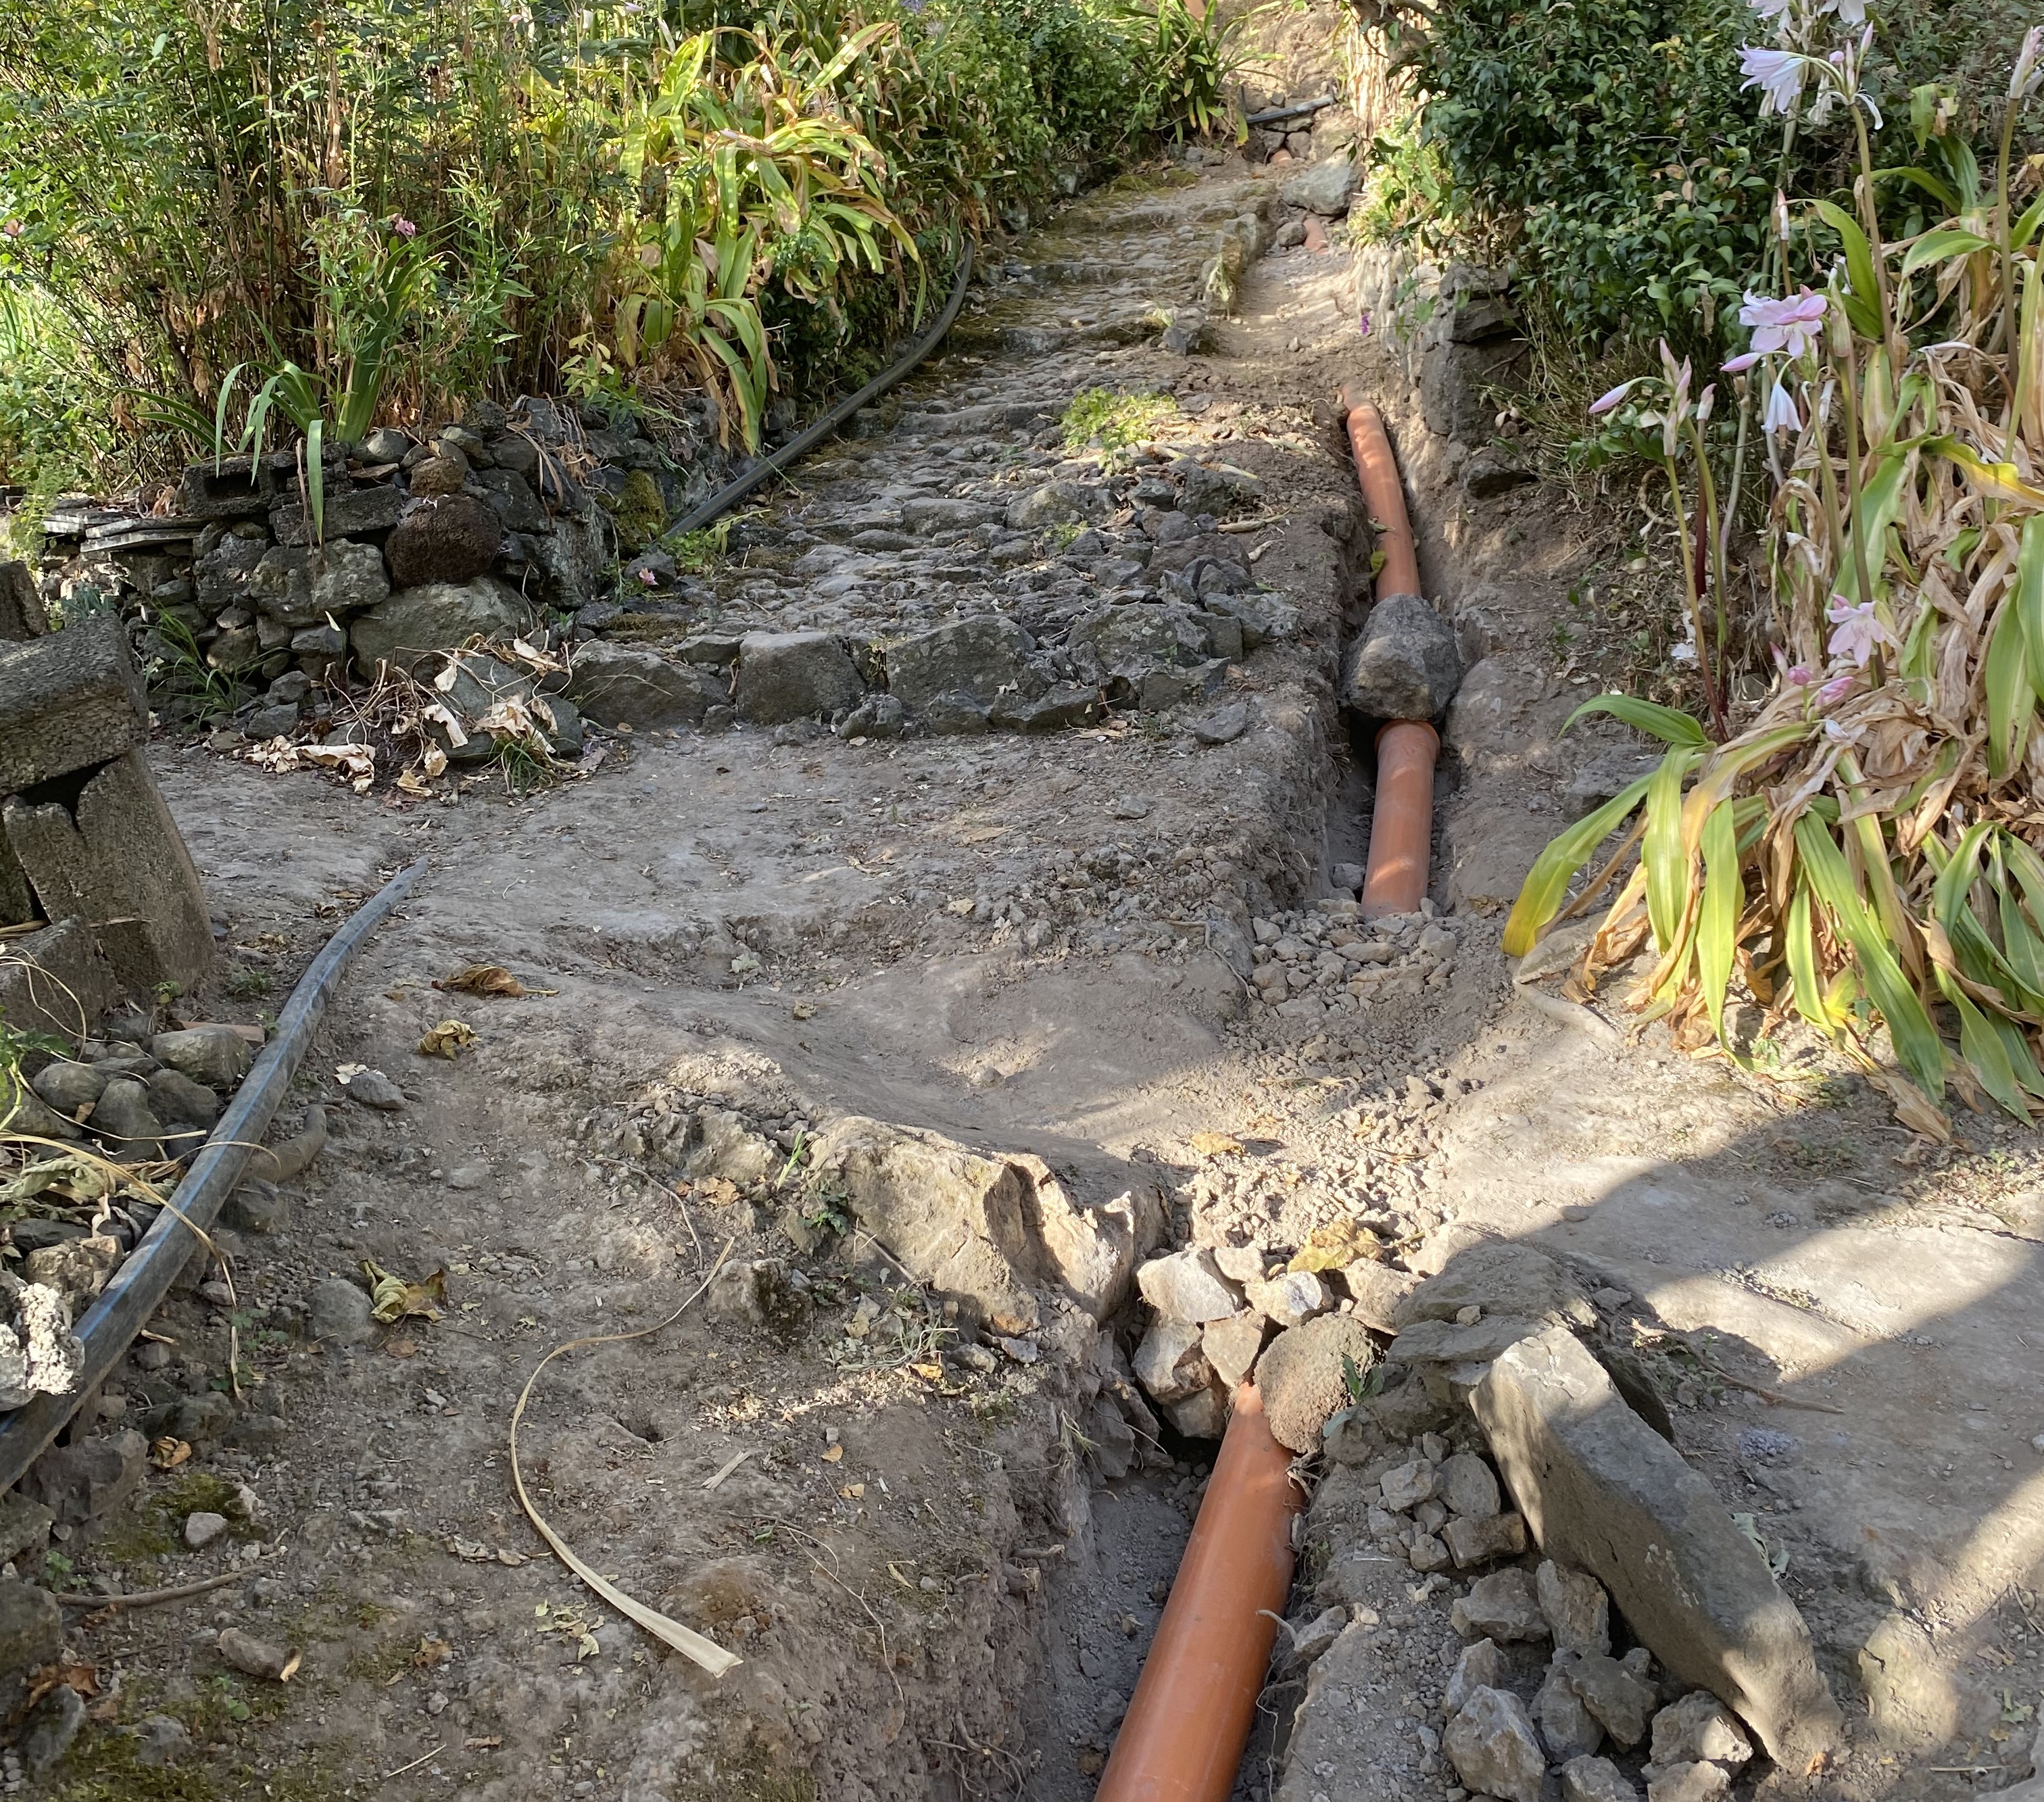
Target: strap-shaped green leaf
x,y
1662,852
2012,696
1936,247
1717,924
1800,949
1669,724
1547,881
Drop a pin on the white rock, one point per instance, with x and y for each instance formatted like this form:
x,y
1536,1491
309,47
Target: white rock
x,y
1188,1285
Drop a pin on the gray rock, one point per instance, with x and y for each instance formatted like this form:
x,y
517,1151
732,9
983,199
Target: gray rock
x,y
31,1634
1500,1606
1126,643
1474,1542
1568,1727
83,1481
354,512
1219,488
1188,1285
1161,690
452,539
1427,1553
563,723
279,721
52,1724
1221,725
202,1527
1468,1486
255,1206
1493,1747
932,513
1290,1297
877,716
438,615
980,657
338,1313
1060,503
1605,777
1699,1726
1188,334
794,675
1304,1644
386,444
722,1143
1491,472
1624,1702
372,1089
622,685
1232,1346
1325,188
1406,663
1595,1779
1062,703
1304,1374
25,1527
1203,1415
347,578
210,1054
1600,1489
1170,1363
124,1122
281,587
1406,1485
251,1656
68,700
1577,1611
75,1269
1698,1782
1499,1277
161,1740
68,1087
509,496
1481,1665
24,1110
1115,1447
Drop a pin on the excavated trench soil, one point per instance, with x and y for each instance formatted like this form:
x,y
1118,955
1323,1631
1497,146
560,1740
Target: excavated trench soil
x,y
1010,940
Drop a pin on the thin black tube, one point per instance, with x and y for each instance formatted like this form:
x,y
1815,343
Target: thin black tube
x,y
728,496
139,1286
1298,112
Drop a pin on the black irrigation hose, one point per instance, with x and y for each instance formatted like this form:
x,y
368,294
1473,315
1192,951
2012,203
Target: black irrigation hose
x,y
728,496
1277,114
139,1286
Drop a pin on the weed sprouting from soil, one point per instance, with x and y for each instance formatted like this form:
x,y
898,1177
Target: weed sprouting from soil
x,y
1100,415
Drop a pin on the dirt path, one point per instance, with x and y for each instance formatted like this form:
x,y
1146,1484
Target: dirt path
x,y
1032,944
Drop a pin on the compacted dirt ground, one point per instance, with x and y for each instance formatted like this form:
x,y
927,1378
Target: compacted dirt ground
x,y
940,1582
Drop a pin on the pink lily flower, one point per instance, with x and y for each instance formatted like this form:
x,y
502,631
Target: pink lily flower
x,y
1604,403
1780,415
1858,630
1778,74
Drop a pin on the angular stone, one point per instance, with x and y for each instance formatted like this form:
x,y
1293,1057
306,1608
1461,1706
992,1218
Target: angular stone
x,y
1377,1290
360,512
57,980
202,1527
1699,1726
1595,1779
1442,1342
51,1726
1700,1782
237,488
1469,1486
981,657
21,612
1203,1415
1500,1606
113,856
214,1055
1623,1702
622,685
437,616
1126,643
1482,1666
68,700
1325,188
85,1480
1219,488
1232,1346
1473,1542
1161,690
124,1122
1265,619
1188,1285
1170,1363
1569,1729
1056,503
1404,666
1062,704
25,1527
1493,1747
1428,1554
932,513
1406,1485
1290,1297
1092,1250
1305,1372
1577,1612
956,1219
794,675
452,539
1498,1277
1602,1490
339,1313
348,578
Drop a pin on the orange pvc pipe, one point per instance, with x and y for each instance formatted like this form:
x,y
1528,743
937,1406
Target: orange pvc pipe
x,y
1378,471
1188,1720
1401,828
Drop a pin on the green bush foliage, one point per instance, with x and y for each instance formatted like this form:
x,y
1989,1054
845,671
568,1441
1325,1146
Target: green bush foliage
x,y
186,191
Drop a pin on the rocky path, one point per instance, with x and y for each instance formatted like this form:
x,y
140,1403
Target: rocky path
x,y
1105,946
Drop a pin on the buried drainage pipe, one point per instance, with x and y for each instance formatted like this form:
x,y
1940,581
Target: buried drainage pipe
x,y
1401,825
137,1288
1182,1738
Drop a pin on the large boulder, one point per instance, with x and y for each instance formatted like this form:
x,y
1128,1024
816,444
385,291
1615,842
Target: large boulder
x,y
619,685
438,615
1406,663
1126,643
1604,1492
1306,1374
1060,503
794,675
1325,188
982,657
453,539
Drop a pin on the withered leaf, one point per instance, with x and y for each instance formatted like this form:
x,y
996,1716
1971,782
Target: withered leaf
x,y
490,979
446,1039
391,1298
